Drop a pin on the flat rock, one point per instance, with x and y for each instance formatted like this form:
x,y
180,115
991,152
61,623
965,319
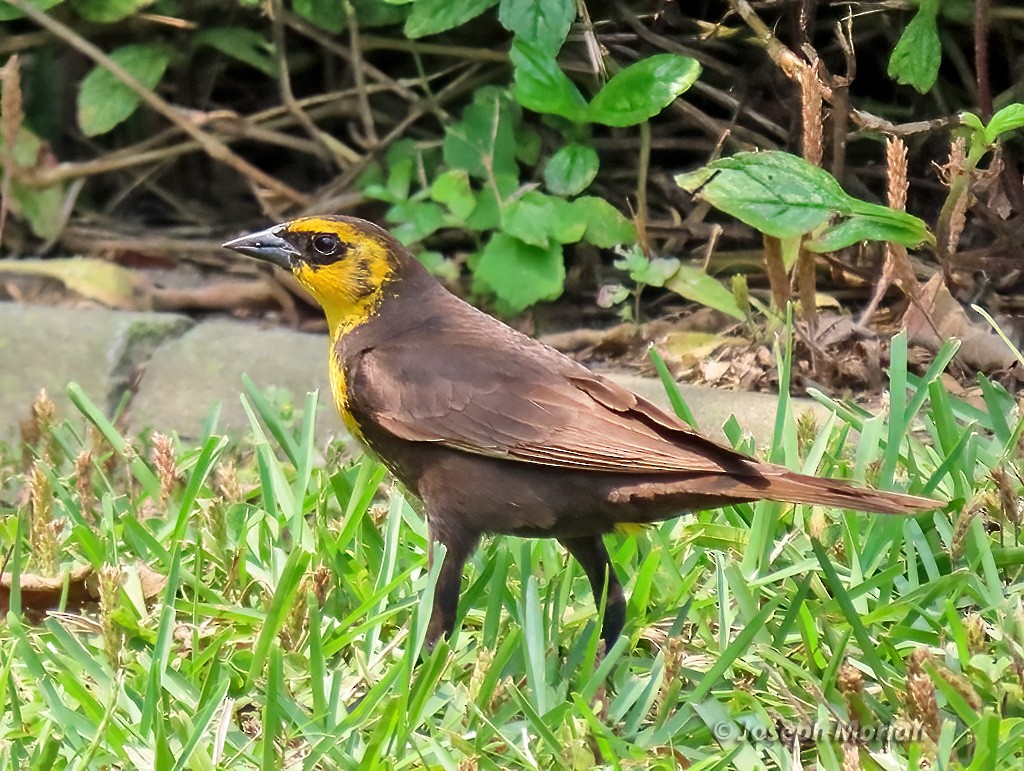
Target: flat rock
x,y
189,375
712,408
49,347
181,369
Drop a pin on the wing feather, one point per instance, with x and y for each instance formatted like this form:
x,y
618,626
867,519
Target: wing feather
x,y
529,404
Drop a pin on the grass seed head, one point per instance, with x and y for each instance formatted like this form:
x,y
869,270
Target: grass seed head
x,y
83,482
974,625
920,700
44,532
162,456
111,578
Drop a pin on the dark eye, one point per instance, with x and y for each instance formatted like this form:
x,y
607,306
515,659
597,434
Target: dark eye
x,y
326,243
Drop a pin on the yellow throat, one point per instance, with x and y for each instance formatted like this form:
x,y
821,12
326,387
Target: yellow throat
x,y
349,290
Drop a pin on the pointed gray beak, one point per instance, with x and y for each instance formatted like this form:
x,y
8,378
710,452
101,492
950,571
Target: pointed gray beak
x,y
265,245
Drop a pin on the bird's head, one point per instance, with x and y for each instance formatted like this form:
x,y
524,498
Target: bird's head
x,y
344,262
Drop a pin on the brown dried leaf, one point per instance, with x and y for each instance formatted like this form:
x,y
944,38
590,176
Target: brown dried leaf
x,y
42,593
94,279
152,583
943,317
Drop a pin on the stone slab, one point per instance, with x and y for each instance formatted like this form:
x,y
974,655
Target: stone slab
x,y
49,347
182,368
189,374
711,407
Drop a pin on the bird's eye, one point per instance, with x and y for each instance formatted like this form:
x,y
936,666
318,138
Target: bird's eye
x,y
326,244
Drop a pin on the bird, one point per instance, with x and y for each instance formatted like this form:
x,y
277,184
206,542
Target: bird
x,y
495,432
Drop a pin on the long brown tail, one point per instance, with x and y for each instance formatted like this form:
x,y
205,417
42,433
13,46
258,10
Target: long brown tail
x,y
791,487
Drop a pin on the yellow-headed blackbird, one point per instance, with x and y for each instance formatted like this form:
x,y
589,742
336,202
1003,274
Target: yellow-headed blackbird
x,y
496,432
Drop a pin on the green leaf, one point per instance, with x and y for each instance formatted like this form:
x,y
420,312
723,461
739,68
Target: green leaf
x,y
483,142
642,90
332,15
428,17
536,218
696,285
541,86
8,11
521,274
606,227
417,220
107,11
40,206
786,197
104,101
452,189
545,23
328,15
571,170
901,230
245,45
915,59
1009,118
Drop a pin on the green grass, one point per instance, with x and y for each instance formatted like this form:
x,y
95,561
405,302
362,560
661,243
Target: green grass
x,y
289,632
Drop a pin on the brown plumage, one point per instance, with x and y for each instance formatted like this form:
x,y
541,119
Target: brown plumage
x,y
496,432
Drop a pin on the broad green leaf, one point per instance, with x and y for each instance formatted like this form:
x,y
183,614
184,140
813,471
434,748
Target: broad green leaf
x,y
541,86
428,17
642,90
860,227
786,197
245,45
104,101
571,170
332,16
1009,118
40,206
537,218
915,59
483,142
328,15
417,220
544,23
521,274
696,285
107,11
490,202
452,189
8,11
606,227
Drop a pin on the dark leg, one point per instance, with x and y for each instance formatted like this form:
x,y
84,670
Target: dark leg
x,y
449,581
589,551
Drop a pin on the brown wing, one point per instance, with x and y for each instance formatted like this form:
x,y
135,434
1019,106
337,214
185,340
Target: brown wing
x,y
497,393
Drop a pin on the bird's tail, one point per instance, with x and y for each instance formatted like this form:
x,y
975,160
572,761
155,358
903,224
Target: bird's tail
x,y
769,482
791,487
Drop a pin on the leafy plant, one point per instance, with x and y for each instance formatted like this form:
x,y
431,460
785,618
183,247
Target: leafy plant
x,y
667,272
784,196
476,187
479,186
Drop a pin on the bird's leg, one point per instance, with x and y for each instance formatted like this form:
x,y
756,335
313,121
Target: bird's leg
x,y
591,553
449,581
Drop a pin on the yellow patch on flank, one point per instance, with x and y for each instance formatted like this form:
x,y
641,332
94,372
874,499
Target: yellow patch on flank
x,y
632,529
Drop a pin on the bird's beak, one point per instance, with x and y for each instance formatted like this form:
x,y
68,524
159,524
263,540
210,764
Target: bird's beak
x,y
265,245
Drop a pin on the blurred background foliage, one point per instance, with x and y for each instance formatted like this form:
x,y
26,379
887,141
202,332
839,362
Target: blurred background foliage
x,y
520,147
